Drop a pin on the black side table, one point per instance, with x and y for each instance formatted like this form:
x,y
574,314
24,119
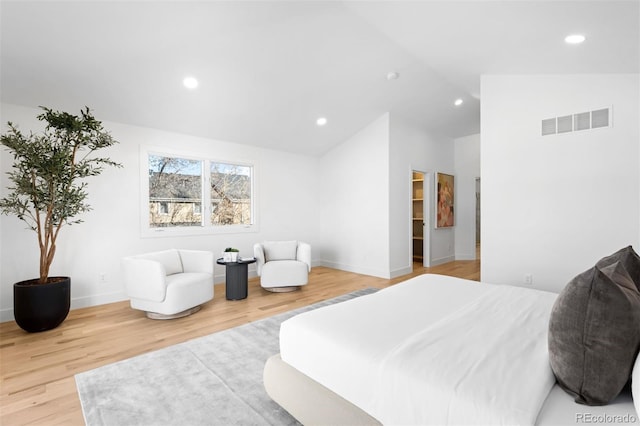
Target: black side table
x,y
237,274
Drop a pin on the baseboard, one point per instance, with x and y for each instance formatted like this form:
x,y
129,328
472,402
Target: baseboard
x,y
6,315
219,278
465,257
442,260
355,269
98,299
78,303
401,271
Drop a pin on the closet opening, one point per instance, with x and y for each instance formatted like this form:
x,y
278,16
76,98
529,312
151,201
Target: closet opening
x,y
419,219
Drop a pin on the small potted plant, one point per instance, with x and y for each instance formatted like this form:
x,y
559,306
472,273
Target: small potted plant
x,y
231,254
48,192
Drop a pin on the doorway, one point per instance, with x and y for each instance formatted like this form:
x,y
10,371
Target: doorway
x,y
419,219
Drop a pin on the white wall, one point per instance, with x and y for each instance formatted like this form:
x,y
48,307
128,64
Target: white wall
x,y
467,170
287,186
414,148
353,205
354,202
552,206
366,197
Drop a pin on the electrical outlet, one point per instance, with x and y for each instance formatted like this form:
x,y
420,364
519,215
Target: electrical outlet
x,y
102,277
528,279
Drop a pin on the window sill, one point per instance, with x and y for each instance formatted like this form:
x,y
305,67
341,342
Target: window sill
x,y
186,231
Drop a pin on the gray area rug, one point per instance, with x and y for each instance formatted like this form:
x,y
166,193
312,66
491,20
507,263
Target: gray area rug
x,y
211,380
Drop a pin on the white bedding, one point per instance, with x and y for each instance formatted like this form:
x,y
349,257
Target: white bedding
x,y
431,350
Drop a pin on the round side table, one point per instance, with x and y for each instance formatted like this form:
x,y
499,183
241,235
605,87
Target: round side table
x,y
237,274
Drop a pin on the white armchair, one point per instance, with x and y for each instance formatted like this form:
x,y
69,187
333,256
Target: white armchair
x,y
169,284
282,265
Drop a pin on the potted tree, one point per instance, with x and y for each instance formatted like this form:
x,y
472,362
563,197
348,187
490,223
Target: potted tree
x,y
48,191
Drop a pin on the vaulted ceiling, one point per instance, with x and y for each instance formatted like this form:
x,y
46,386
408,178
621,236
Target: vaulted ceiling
x,y
268,69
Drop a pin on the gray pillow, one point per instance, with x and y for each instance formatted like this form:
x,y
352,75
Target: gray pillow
x,y
594,334
629,259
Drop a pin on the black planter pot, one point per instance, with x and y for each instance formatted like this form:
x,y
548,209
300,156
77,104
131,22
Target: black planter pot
x,y
41,307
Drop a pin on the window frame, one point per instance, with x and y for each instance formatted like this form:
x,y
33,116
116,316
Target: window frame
x,y
206,228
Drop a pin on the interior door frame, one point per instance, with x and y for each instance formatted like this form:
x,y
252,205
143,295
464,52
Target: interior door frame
x,y
428,196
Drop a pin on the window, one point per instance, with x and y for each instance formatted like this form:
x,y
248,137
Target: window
x,y
179,191
175,185
230,194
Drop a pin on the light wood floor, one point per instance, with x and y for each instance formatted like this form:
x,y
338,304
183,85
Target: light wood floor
x,y
37,384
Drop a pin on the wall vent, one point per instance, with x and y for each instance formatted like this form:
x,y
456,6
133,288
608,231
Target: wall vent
x,y
565,124
600,118
580,121
549,126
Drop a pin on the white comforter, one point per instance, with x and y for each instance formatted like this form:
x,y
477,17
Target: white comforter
x,y
432,350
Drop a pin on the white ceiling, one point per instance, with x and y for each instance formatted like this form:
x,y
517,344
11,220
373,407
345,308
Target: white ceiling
x,y
269,69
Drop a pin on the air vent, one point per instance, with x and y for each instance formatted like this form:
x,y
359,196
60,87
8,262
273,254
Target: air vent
x,y
582,121
565,124
600,118
577,122
549,126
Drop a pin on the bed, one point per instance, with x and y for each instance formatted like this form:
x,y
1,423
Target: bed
x,y
431,350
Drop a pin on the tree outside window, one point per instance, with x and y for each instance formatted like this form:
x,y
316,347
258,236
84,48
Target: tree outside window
x,y
230,194
175,185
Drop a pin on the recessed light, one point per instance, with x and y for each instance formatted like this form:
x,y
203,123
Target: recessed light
x,y
321,121
392,75
190,82
574,39
458,102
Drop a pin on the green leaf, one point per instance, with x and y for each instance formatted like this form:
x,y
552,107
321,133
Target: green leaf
x,y
47,187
